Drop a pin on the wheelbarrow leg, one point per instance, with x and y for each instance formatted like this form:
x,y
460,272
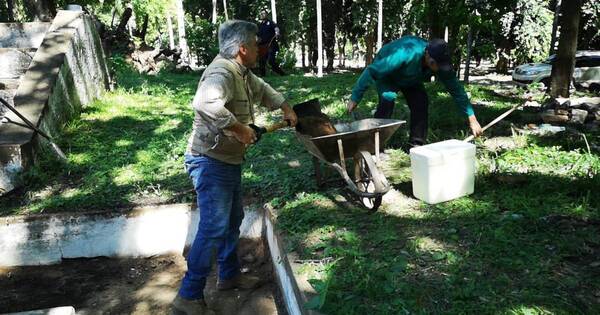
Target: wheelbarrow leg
x,y
318,174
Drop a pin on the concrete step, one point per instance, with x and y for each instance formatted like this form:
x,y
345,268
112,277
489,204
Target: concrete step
x,y
13,160
63,310
15,61
22,35
8,87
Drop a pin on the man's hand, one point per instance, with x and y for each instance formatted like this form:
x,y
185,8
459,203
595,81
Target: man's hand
x,y
475,127
243,133
351,105
289,114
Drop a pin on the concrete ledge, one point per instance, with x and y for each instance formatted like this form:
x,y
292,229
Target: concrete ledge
x,y
142,232
294,295
15,61
63,310
22,35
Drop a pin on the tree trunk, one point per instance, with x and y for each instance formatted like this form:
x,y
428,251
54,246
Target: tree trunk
x,y
369,43
112,21
144,29
436,25
170,31
506,45
562,68
124,19
41,10
554,28
214,12
341,50
380,25
469,47
11,10
329,19
319,40
303,47
273,11
225,9
454,47
185,55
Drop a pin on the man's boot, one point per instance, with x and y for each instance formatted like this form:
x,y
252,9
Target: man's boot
x,y
182,306
240,281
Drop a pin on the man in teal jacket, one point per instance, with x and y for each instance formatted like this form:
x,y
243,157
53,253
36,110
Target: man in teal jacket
x,y
403,65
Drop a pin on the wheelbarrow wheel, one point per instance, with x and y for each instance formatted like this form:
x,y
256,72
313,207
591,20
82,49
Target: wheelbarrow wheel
x,y
369,180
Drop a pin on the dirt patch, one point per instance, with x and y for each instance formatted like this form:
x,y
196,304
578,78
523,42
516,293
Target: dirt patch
x,y
125,286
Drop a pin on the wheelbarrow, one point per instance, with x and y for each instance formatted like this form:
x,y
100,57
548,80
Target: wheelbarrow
x,y
359,141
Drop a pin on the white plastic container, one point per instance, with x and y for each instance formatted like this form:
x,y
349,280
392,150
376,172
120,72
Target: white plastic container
x,y
443,171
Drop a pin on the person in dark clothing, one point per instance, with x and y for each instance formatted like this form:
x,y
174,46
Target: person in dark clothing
x,y
403,65
268,32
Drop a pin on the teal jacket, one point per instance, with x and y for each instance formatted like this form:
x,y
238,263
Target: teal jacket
x,y
398,64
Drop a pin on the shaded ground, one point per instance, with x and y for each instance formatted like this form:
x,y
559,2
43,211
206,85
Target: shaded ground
x,y
123,286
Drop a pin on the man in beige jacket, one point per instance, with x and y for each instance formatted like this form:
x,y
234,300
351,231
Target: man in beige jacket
x,y
224,105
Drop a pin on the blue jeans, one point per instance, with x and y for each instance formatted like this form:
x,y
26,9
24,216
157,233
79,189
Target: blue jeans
x,y
219,192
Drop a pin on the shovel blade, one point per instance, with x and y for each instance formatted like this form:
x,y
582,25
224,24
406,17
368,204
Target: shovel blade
x,y
308,108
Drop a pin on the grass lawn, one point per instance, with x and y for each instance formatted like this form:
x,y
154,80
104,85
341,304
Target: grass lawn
x,y
526,242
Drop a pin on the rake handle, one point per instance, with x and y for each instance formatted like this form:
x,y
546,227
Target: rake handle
x,y
25,120
493,122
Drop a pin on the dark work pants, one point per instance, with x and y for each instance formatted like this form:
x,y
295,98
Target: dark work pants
x,y
418,103
270,57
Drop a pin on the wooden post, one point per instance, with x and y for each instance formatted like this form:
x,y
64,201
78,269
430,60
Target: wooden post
x,y
341,151
273,11
319,40
214,12
225,9
377,145
380,26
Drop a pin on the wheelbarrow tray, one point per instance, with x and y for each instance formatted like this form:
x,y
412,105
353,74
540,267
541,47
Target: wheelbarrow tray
x,y
356,136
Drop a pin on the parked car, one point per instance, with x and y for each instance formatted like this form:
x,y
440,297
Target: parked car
x,y
586,73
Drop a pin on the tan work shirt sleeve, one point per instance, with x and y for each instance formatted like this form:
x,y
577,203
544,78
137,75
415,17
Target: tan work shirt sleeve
x,y
264,94
214,91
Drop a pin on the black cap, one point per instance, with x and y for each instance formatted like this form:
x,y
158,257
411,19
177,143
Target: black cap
x,y
438,51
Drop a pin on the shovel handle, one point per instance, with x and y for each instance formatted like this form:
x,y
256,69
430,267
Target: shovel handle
x,y
493,122
279,125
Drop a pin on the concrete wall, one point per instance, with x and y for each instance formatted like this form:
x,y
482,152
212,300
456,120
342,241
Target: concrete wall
x,y
143,232
22,35
67,71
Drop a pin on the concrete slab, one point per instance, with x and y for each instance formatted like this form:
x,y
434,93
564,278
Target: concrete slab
x,y
143,232
295,289
22,35
63,310
15,61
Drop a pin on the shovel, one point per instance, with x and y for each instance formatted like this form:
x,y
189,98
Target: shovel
x,y
262,130
311,121
30,126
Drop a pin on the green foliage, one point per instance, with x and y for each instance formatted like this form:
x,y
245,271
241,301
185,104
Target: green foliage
x,y
530,25
287,59
589,32
156,11
202,39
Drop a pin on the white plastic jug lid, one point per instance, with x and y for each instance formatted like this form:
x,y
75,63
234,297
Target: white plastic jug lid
x,y
437,153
